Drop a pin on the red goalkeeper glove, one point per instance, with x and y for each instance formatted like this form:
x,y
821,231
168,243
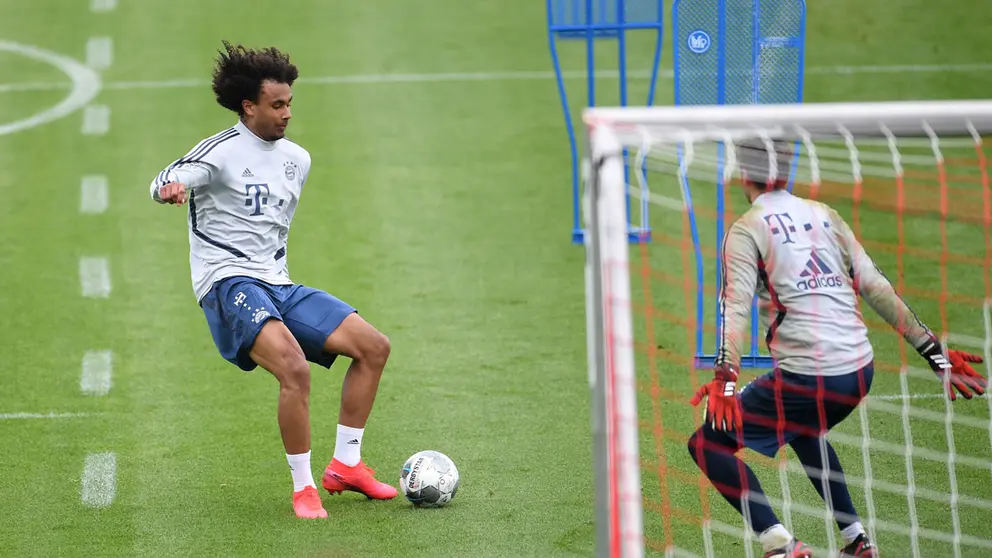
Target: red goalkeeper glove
x,y
963,377
723,411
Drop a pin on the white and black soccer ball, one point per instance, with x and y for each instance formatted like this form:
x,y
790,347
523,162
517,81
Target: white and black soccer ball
x,y
429,479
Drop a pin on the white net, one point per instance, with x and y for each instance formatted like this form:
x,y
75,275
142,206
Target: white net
x,y
913,182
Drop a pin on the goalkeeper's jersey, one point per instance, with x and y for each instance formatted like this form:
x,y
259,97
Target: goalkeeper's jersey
x,y
242,193
807,268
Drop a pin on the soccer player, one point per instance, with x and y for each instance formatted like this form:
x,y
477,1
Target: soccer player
x,y
807,268
242,187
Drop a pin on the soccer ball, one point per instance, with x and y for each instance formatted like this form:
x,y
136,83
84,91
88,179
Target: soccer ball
x,y
429,479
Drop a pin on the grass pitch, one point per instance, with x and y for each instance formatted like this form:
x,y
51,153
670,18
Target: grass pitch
x,y
440,208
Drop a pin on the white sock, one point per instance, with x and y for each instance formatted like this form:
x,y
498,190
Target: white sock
x,y
774,537
348,449
852,531
299,465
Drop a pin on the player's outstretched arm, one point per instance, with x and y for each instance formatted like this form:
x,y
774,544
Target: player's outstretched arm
x,y
951,366
740,276
740,280
173,184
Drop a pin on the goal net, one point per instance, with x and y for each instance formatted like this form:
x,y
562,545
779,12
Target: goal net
x,y
912,181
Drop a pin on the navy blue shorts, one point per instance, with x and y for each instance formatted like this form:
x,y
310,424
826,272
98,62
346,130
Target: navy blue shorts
x,y
806,406
237,307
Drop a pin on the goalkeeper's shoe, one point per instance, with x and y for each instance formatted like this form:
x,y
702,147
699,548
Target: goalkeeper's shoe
x,y
306,504
339,477
795,549
860,547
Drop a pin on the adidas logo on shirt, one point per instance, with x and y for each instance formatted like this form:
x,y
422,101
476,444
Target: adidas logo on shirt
x,y
817,275
247,174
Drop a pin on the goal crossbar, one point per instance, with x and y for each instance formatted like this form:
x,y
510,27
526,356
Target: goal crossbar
x,y
787,121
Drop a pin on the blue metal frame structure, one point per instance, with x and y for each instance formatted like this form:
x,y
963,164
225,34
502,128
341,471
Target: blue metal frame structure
x,y
773,37
589,21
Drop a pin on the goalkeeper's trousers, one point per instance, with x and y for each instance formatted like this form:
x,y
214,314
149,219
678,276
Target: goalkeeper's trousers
x,y
715,454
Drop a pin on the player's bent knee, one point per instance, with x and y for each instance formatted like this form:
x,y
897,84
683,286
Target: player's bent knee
x,y
296,376
379,348
289,365
373,348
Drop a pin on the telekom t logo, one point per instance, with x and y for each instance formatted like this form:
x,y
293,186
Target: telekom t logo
x,y
257,196
783,226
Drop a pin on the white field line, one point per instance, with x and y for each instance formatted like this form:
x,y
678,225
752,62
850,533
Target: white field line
x,y
34,416
99,480
99,53
102,6
93,195
94,275
84,86
96,120
542,75
97,371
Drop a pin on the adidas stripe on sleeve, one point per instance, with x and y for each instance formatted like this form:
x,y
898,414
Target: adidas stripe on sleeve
x,y
193,170
740,270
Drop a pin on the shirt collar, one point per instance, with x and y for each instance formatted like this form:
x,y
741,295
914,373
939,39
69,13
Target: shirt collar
x,y
772,195
246,132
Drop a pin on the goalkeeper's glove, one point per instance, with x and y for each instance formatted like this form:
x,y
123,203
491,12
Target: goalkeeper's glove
x,y
962,377
723,411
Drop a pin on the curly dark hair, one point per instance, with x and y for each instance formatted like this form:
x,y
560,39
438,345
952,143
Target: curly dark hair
x,y
240,72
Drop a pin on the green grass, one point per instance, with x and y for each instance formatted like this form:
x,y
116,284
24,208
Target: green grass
x,y
442,211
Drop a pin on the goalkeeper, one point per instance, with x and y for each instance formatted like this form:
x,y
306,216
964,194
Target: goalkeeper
x,y
807,269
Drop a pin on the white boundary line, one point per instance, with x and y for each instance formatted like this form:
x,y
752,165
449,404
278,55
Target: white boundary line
x,y
102,6
96,120
99,480
93,194
97,369
94,275
84,88
99,53
455,77
51,415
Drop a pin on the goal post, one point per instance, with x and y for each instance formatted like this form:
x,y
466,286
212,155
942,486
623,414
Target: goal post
x,y
912,180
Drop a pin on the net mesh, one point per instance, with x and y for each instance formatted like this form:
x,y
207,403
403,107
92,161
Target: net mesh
x,y
918,466
738,51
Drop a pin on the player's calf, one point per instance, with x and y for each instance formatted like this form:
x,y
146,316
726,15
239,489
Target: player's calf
x,y
276,350
369,350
